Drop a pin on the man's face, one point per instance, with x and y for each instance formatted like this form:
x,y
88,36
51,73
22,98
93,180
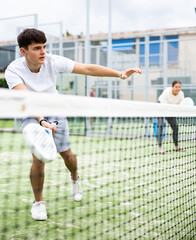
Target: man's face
x,y
35,54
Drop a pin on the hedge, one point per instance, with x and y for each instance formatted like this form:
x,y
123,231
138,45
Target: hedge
x,y
3,83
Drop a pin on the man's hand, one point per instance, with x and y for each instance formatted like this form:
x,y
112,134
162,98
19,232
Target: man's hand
x,y
51,126
129,72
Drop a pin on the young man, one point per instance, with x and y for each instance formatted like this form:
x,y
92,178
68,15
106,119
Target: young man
x,y
36,71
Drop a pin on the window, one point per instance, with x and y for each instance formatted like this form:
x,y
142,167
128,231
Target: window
x,y
172,49
155,50
71,85
7,54
123,45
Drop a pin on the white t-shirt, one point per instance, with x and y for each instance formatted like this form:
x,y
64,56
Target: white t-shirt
x,y
168,97
43,81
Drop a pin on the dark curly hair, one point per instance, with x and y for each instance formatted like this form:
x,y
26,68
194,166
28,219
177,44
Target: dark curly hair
x,y
29,36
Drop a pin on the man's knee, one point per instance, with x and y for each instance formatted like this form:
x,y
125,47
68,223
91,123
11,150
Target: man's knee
x,y
37,161
68,156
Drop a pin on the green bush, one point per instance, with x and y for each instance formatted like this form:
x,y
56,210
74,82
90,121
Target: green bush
x,y
3,83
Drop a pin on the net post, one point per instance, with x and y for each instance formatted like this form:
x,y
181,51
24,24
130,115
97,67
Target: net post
x,y
109,57
16,124
35,20
146,78
87,61
165,77
146,67
61,54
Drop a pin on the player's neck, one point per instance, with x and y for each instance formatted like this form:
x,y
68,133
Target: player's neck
x,y
33,67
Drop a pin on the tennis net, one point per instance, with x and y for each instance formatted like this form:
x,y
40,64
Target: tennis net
x,y
130,191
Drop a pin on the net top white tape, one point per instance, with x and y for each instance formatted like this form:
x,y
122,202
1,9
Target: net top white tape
x,y
25,103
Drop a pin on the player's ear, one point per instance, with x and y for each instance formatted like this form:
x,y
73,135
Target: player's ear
x,y
23,51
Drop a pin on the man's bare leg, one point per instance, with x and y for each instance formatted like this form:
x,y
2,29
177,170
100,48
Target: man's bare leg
x,y
37,178
71,163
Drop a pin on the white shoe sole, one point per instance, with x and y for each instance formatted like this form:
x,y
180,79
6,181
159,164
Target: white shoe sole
x,y
40,219
77,197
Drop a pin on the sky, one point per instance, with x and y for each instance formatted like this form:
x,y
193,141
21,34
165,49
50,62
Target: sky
x,y
127,15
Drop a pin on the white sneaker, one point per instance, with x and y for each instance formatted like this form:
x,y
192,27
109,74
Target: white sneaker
x,y
38,211
76,189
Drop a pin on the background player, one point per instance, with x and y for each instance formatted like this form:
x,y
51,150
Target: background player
x,y
171,95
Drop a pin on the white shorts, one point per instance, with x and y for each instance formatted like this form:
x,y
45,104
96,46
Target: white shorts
x,y
61,137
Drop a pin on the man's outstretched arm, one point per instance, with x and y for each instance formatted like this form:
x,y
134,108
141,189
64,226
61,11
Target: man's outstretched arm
x,y
101,71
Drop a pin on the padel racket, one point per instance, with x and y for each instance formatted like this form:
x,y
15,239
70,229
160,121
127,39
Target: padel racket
x,y
40,141
187,101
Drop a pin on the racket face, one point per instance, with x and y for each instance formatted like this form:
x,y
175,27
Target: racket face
x,y
187,101
40,141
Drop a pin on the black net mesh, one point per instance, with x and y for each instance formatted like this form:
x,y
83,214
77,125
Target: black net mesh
x,y
130,191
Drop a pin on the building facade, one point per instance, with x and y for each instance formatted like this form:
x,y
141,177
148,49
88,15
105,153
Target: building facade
x,y
163,54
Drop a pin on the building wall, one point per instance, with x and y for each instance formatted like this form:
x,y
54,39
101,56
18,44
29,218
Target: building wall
x,y
129,50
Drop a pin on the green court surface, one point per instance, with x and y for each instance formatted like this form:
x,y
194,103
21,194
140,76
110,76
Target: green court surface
x,y
130,192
